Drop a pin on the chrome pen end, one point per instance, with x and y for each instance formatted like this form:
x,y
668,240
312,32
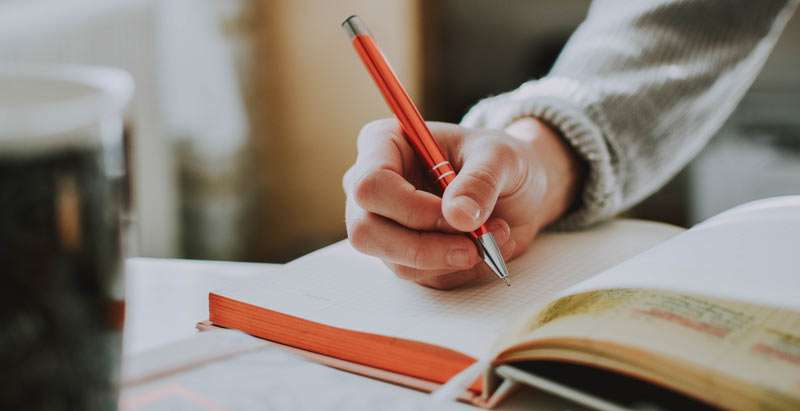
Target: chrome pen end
x,y
492,256
354,26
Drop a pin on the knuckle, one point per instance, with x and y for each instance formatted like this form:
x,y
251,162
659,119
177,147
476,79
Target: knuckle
x,y
347,179
483,178
502,151
375,127
412,216
359,232
365,189
418,255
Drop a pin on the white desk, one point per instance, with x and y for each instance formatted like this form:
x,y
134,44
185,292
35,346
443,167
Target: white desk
x,y
164,301
165,298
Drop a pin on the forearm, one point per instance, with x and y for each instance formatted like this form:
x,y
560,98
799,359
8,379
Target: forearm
x,y
640,88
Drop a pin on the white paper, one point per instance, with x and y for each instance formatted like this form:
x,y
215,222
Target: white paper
x,y
341,287
750,253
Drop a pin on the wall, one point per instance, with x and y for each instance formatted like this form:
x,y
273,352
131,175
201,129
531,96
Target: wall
x,y
308,98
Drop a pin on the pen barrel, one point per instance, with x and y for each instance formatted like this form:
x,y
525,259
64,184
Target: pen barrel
x,y
409,117
414,128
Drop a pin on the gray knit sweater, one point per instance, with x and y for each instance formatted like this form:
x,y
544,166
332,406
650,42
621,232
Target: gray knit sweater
x,y
641,87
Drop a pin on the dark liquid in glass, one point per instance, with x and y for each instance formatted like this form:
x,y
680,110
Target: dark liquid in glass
x,y
60,304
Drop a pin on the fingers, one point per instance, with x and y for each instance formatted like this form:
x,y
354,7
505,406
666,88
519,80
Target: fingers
x,y
388,194
446,280
412,230
378,236
377,182
381,145
489,169
377,150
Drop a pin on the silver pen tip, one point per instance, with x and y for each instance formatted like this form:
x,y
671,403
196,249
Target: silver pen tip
x,y
492,256
508,283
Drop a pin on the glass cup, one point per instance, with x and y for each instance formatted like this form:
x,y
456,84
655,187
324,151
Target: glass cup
x,y
61,190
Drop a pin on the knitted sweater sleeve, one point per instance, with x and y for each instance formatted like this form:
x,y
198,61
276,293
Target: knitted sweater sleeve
x,y
639,89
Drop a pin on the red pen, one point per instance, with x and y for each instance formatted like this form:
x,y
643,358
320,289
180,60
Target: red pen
x,y
416,131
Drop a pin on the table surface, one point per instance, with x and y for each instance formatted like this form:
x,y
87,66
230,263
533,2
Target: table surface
x,y
165,298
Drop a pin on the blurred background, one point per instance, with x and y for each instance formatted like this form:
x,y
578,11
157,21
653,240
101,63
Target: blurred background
x,y
246,111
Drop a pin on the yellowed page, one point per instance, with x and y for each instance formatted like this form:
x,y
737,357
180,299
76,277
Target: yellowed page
x,y
715,309
716,349
341,287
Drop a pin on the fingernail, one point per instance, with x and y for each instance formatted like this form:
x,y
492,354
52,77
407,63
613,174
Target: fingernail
x,y
468,207
500,231
458,258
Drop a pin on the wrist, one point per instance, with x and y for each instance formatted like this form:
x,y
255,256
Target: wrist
x,y
551,157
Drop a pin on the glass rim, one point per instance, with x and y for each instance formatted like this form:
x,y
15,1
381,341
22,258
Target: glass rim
x,y
96,93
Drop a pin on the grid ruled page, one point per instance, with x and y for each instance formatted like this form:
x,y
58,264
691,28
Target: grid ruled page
x,y
340,287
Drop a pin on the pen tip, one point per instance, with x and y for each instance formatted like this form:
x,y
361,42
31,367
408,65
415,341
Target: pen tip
x,y
492,257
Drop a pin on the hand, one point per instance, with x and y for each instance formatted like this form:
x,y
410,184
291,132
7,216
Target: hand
x,y
517,182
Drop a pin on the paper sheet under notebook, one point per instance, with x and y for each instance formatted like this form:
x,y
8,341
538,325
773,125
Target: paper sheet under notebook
x,y
340,287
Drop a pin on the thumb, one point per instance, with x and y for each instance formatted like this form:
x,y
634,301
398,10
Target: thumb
x,y
470,199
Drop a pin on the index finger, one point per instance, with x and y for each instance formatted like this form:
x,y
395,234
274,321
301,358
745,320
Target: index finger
x,y
381,145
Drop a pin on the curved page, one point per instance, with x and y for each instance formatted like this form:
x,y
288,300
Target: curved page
x,y
748,254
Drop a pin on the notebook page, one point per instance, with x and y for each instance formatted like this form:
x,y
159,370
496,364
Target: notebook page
x,y
341,287
750,254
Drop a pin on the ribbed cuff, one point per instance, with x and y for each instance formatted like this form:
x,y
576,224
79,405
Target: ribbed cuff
x,y
565,105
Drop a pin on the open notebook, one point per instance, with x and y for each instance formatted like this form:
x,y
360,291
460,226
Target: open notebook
x,y
710,313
